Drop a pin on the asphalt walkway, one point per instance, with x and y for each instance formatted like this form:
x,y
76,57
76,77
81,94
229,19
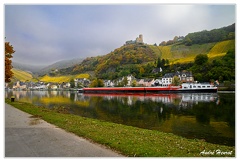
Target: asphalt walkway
x,y
26,136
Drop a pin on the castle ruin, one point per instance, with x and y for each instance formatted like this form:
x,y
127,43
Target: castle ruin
x,y
139,40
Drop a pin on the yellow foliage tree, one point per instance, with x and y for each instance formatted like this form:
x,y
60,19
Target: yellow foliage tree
x,y
8,63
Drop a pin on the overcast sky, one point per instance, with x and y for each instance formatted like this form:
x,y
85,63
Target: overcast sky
x,y
45,34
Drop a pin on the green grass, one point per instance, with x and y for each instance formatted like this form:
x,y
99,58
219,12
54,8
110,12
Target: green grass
x,y
127,140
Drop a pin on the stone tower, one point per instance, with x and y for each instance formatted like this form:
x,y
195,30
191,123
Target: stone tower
x,y
139,39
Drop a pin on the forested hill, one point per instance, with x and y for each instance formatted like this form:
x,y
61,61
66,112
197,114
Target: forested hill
x,y
140,60
215,35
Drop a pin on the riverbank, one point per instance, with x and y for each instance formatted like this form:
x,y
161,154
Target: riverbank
x,y
130,141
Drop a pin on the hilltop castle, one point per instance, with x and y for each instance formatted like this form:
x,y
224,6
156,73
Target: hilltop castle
x,y
139,40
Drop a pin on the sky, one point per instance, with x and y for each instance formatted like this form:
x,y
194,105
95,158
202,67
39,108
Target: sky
x,y
45,34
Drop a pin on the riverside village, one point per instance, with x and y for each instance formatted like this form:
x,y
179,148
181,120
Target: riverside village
x,y
128,81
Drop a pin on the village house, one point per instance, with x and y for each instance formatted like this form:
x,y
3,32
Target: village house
x,y
157,70
167,79
185,76
19,86
108,83
82,82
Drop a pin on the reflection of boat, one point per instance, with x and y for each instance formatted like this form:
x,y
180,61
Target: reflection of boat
x,y
188,99
185,87
167,98
199,97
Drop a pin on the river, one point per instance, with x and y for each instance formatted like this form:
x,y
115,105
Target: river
x,y
206,116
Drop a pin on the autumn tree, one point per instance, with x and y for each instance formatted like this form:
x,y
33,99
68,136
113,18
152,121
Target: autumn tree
x,y
97,83
176,81
8,63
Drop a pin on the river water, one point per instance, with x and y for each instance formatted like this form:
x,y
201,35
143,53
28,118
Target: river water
x,y
206,116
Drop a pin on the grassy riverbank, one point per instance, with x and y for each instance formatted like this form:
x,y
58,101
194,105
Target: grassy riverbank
x,y
129,141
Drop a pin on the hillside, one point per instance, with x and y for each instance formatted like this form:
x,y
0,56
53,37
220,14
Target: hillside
x,y
131,58
179,53
27,67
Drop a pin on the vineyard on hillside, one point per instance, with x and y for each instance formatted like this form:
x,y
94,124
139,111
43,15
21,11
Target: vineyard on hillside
x,y
60,79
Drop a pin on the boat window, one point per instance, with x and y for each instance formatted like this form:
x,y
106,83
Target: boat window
x,y
208,86
203,86
194,86
199,86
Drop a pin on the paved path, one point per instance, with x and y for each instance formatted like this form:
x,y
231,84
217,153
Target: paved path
x,y
32,137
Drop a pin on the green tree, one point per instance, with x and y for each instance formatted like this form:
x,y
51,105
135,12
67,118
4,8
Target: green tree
x,y
159,62
188,41
125,81
201,59
72,83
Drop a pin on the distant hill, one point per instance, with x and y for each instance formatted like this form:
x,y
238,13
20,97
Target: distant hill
x,y
27,67
60,65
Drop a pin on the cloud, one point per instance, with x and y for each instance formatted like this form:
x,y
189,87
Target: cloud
x,y
44,34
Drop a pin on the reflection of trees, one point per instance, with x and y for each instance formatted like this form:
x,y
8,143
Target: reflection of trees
x,y
202,113
152,112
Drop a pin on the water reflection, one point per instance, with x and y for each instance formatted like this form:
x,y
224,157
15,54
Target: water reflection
x,y
208,116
